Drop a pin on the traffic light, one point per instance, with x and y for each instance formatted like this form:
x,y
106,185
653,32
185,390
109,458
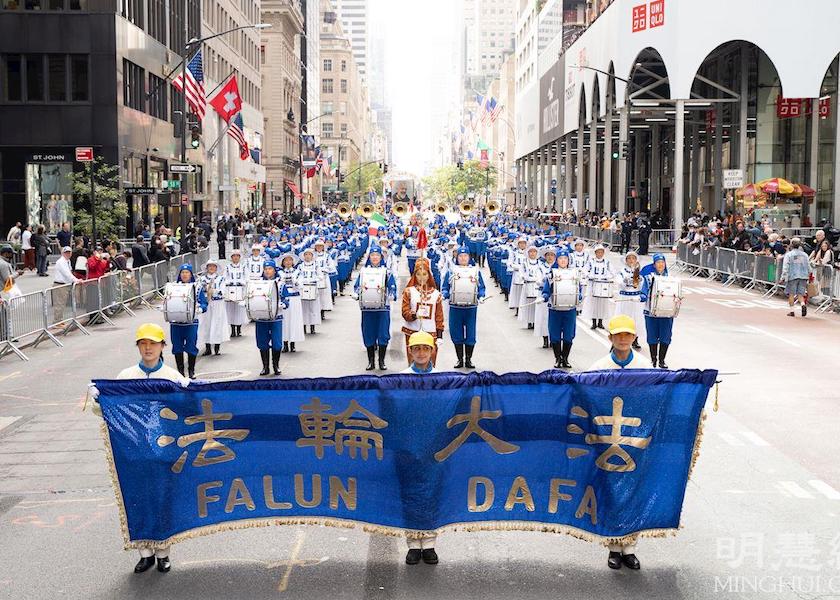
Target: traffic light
x,y
195,136
460,164
341,177
625,150
615,152
385,170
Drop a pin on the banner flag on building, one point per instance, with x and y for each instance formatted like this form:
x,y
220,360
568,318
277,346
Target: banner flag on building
x,y
604,456
195,85
237,132
255,155
488,112
227,101
495,111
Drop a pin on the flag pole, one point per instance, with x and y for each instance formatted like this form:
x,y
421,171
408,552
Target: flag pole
x,y
224,81
211,152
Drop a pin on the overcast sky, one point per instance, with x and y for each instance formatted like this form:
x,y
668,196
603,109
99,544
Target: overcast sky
x,y
420,37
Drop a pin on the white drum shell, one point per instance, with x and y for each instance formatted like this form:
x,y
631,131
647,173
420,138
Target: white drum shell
x,y
262,301
179,303
234,293
601,289
373,288
564,290
529,288
463,289
665,297
308,291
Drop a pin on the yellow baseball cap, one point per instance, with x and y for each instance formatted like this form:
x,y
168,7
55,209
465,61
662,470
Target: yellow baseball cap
x,y
622,324
150,331
421,338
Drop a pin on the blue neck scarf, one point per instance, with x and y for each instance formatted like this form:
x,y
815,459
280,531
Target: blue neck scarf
x,y
149,371
622,363
420,371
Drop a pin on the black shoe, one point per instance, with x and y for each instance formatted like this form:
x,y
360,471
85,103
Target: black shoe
x,y
530,325
413,556
468,360
558,360
594,324
663,350
600,324
264,357
654,354
631,562
430,557
804,310
217,349
144,564
163,564
636,345
459,352
191,366
565,349
382,351
545,341
179,362
291,346
207,350
371,353
311,329
233,331
285,347
275,361
614,561
323,315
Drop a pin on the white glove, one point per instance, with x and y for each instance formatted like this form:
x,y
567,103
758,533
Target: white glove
x,y
539,300
93,392
354,296
481,300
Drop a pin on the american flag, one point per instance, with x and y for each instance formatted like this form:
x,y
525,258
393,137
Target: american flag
x,y
487,115
195,85
495,111
237,132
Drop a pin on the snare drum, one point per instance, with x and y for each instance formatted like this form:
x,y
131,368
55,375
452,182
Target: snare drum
x,y
179,303
530,289
601,289
373,284
309,291
262,301
322,280
234,293
464,287
564,289
665,298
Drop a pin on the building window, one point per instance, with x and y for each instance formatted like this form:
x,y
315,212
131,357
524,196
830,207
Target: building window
x,y
343,66
134,89
157,20
326,130
35,78
44,77
43,4
344,129
132,10
327,65
80,83
343,86
13,78
57,74
326,86
157,97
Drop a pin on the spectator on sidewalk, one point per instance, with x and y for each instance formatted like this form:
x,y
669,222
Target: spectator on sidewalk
x,y
14,234
139,253
78,260
63,276
41,245
97,264
823,256
7,270
795,273
27,248
64,236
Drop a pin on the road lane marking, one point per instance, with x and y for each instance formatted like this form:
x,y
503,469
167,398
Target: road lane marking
x,y
792,488
293,562
825,489
6,421
730,438
775,337
582,325
754,438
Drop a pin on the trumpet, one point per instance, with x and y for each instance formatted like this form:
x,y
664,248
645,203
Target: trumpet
x,y
465,208
345,211
492,208
366,209
441,208
399,208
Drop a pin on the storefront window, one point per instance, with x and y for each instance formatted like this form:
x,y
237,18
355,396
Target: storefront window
x,y
49,194
828,129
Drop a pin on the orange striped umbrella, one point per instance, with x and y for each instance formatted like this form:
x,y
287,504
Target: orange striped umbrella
x,y
777,185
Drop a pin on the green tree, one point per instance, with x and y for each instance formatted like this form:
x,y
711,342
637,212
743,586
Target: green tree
x,y
363,179
109,201
449,182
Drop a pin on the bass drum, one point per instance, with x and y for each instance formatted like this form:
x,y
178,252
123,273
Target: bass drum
x,y
666,297
179,303
262,301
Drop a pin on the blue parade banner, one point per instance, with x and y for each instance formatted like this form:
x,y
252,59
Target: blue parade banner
x,y
602,455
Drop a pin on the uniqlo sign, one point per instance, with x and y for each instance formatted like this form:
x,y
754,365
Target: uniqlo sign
x,y
648,16
639,18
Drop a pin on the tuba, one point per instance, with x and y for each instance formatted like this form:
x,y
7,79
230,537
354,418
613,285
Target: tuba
x,y
492,208
465,208
441,208
366,209
399,209
345,210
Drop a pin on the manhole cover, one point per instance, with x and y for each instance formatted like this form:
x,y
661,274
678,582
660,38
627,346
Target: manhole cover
x,y
222,375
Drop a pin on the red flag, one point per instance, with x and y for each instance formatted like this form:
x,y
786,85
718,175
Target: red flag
x,y
227,102
422,240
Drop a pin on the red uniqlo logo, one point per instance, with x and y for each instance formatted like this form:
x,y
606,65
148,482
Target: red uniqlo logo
x,y
657,14
639,18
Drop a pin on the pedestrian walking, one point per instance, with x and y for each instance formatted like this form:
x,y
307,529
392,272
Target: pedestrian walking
x,y
41,245
796,270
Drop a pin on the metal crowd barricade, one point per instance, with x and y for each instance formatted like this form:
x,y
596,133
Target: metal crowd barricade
x,y
60,310
86,302
834,296
26,316
201,258
801,232
726,260
128,292
6,345
663,238
147,283
767,272
824,276
692,259
682,257
745,268
708,260
109,295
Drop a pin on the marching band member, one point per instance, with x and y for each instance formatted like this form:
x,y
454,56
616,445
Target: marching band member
x,y
629,294
422,306
344,265
549,257
463,311
150,341
293,329
235,276
562,320
516,258
599,270
659,329
324,263
376,322
532,276
254,264
308,276
622,330
580,260
269,334
213,323
185,335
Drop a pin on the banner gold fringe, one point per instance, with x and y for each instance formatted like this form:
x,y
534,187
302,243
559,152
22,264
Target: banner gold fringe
x,y
380,529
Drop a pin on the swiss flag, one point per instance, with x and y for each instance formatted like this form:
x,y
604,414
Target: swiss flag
x,y
227,102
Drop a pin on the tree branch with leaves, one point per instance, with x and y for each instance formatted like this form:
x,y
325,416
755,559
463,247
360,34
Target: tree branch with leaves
x,y
109,201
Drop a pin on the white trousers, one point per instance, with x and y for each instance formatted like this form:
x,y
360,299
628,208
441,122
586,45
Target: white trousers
x,y
631,549
159,553
421,544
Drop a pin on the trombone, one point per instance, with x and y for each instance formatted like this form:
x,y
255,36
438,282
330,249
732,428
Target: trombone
x,y
366,209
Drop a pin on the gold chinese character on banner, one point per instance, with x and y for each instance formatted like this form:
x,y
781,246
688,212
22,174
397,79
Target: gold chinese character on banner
x,y
616,439
319,428
472,420
212,450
